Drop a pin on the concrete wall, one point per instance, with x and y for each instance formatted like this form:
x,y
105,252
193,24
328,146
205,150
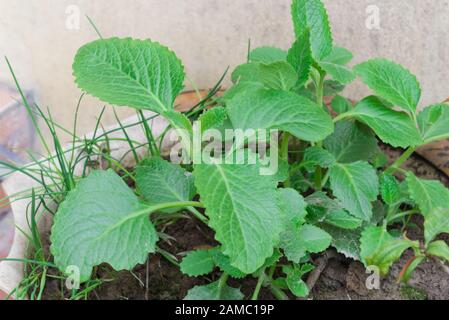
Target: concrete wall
x,y
209,35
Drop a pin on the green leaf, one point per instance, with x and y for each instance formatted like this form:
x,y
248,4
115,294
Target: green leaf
x,y
372,240
427,194
160,181
339,55
392,127
390,252
438,249
351,142
320,206
389,189
243,211
312,15
278,75
332,87
341,105
343,220
136,73
434,123
286,111
339,73
319,156
345,241
102,221
214,292
224,263
197,263
436,222
213,118
296,241
295,283
356,185
292,205
267,55
300,57
392,82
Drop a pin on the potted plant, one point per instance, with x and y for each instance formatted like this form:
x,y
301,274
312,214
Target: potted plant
x,y
268,177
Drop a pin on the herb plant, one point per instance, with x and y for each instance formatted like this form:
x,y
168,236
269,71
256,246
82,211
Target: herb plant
x,y
333,188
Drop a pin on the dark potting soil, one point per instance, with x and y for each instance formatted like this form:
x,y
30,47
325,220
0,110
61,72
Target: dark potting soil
x,y
341,278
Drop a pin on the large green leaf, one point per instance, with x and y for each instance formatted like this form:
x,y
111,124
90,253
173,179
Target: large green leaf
x,y
436,222
344,220
137,73
427,194
351,141
392,127
334,65
434,123
276,75
243,211
312,15
439,249
267,55
197,263
372,240
319,156
356,185
286,111
296,241
392,82
345,241
292,205
339,55
101,220
214,292
160,181
300,57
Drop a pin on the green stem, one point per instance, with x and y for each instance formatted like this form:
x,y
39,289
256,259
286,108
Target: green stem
x,y
198,214
222,282
284,146
278,293
319,101
260,282
402,214
400,161
343,116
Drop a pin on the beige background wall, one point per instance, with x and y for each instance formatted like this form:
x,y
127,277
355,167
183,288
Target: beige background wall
x,y
209,35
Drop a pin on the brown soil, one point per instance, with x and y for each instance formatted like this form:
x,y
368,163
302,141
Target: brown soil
x,y
341,279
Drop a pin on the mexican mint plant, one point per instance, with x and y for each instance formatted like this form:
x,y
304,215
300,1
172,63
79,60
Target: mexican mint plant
x,y
333,186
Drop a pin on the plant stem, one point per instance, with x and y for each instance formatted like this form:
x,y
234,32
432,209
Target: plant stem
x,y
260,282
319,100
284,146
278,293
343,116
402,214
400,161
198,214
222,282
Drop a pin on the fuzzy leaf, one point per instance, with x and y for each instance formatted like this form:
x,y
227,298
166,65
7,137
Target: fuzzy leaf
x,y
436,222
341,105
356,185
212,292
345,241
392,82
427,194
339,73
197,263
99,222
392,127
312,15
300,57
243,211
434,123
267,55
438,249
136,73
292,205
213,118
389,189
351,142
161,181
372,240
343,220
339,55
277,75
296,241
319,156
390,251
286,111
224,263
295,283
